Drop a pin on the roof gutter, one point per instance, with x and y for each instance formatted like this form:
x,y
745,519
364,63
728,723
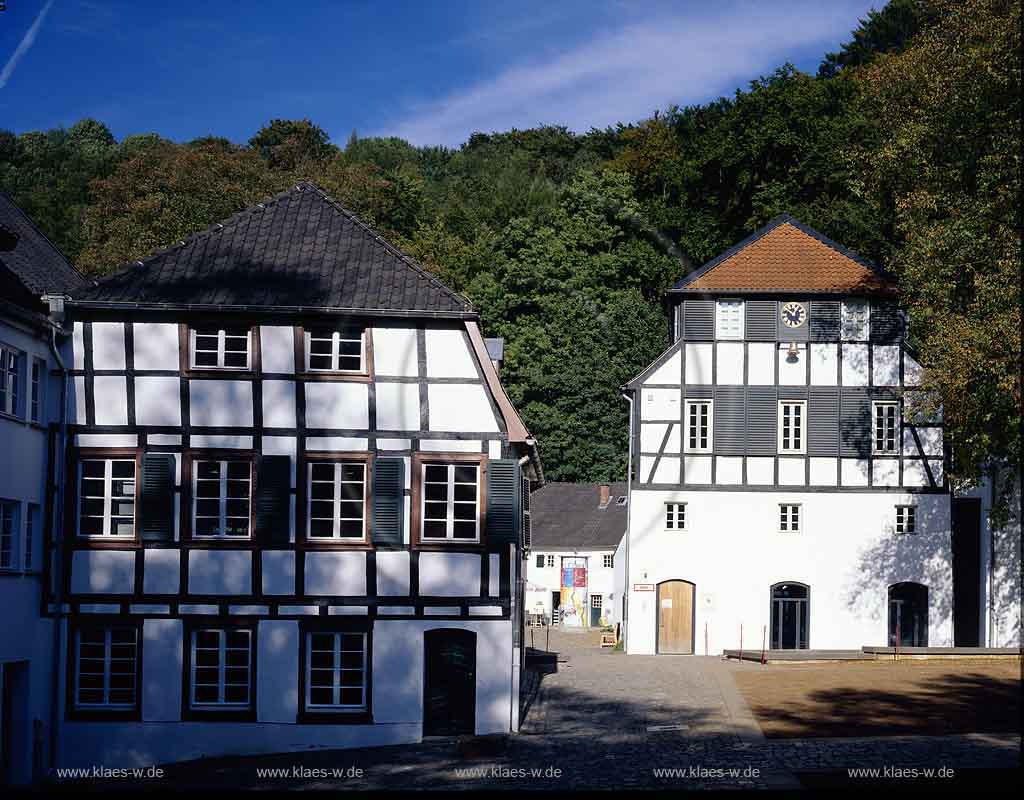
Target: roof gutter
x,y
205,307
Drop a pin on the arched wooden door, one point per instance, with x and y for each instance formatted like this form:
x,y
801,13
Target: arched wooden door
x,y
908,615
675,617
449,682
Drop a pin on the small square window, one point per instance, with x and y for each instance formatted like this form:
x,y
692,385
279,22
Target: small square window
x,y
675,516
729,319
551,561
609,561
906,519
789,518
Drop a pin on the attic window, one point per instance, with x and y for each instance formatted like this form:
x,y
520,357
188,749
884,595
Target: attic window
x,y
220,348
340,350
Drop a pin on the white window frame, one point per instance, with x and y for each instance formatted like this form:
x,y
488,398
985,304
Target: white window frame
x,y
108,661
12,391
337,669
790,518
709,444
336,517
894,419
37,384
729,319
855,320
675,517
222,497
108,498
786,445
222,334
10,514
597,601
222,667
450,514
335,356
906,519
608,561
549,561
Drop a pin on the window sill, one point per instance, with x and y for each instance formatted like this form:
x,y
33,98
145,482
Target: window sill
x,y
101,715
334,377
334,718
335,544
215,715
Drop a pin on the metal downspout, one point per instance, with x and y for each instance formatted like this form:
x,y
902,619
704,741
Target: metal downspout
x,y
629,523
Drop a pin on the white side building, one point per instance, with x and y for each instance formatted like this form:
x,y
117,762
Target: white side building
x,y
570,571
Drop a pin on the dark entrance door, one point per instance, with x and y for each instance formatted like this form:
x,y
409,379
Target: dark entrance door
x,y
966,572
449,682
596,605
908,615
790,613
556,603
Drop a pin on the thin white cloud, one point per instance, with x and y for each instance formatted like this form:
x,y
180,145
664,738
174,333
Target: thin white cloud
x,y
23,47
626,75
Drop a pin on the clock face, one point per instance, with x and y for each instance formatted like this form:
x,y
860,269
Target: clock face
x,y
793,315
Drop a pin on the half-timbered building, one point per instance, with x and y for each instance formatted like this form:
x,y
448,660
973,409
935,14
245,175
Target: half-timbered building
x,y
784,493
293,500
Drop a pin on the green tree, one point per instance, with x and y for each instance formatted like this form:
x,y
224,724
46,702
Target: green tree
x,y
949,114
287,143
885,31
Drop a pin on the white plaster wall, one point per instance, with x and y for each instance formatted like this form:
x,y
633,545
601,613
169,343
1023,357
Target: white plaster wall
x,y
730,363
855,365
792,369
161,571
111,396
698,363
660,404
697,469
854,472
912,371
666,471
448,355
330,573
886,365
600,579
103,572
652,434
760,471
824,364
761,371
460,407
279,404
733,554
394,352
156,345
1000,570
221,404
278,570
161,670
450,574
108,345
393,572
398,406
669,372
277,692
337,405
219,572
158,401
277,348
728,470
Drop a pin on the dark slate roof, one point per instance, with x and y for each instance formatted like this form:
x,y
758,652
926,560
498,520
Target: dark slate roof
x,y
298,250
568,516
31,257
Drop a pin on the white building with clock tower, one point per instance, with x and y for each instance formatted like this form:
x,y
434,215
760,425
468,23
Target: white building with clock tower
x,y
781,491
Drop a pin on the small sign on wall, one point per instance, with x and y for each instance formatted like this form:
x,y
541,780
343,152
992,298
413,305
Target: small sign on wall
x,y
643,587
707,601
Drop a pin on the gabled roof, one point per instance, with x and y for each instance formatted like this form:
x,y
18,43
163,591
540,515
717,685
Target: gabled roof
x,y
32,258
297,250
568,516
787,256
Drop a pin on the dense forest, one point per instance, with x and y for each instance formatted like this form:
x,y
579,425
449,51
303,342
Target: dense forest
x,y
905,146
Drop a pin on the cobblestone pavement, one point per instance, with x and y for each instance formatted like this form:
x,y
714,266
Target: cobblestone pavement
x,y
605,720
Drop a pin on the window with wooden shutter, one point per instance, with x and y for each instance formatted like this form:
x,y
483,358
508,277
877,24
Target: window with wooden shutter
x,y
157,497
503,497
387,526
272,499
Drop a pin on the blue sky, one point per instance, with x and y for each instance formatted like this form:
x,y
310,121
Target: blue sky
x,y
431,71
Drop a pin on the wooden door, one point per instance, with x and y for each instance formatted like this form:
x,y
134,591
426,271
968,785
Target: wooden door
x,y
675,617
449,682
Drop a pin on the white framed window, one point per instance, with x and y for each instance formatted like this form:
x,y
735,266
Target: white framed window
x,y
450,508
341,350
551,561
106,668
221,499
9,533
106,497
221,668
608,560
698,426
789,518
675,516
336,671
729,319
220,348
33,527
792,426
336,506
885,427
855,320
596,601
36,390
11,390
906,519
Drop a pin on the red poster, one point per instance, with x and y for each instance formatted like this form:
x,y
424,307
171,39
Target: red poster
x,y
579,577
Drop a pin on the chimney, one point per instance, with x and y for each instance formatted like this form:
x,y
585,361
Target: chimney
x,y
604,496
